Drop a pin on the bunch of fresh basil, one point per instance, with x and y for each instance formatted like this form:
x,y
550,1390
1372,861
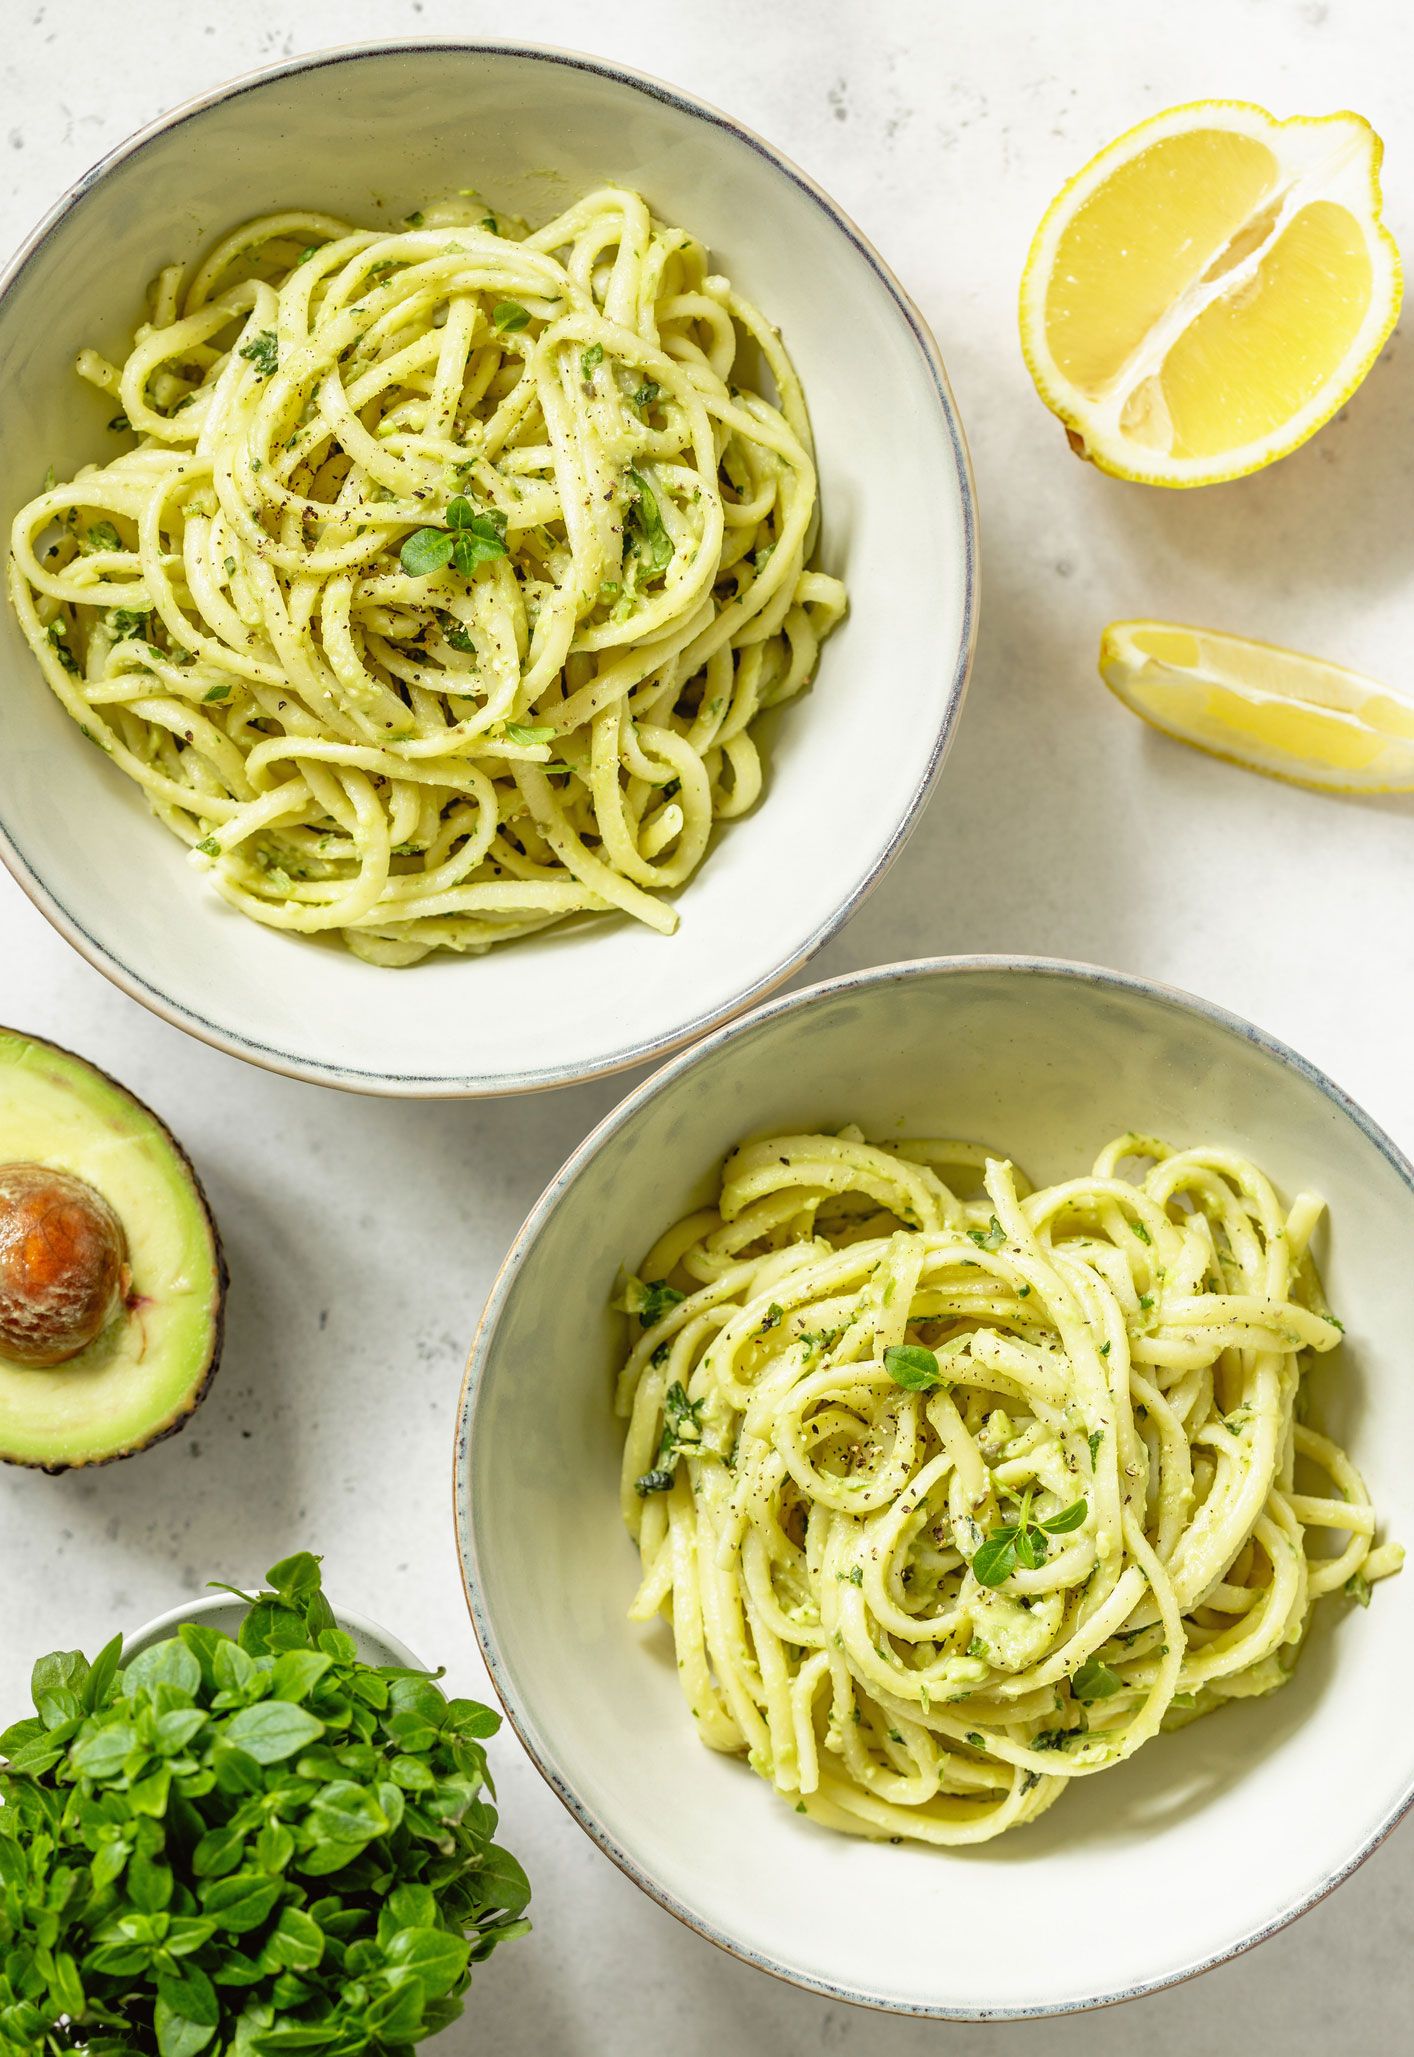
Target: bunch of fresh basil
x,y
248,1845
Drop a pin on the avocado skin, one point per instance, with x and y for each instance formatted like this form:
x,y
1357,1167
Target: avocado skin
x,y
202,1384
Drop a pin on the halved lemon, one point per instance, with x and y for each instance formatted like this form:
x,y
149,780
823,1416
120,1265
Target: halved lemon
x,y
1272,710
1210,289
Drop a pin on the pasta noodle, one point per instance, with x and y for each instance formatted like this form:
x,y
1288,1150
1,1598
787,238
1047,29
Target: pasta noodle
x,y
950,1501
439,593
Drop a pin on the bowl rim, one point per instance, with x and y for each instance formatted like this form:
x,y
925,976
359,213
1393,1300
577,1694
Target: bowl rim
x,y
199,1604
496,1086
1174,999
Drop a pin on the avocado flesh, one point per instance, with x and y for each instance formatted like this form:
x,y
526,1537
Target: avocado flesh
x,y
147,1371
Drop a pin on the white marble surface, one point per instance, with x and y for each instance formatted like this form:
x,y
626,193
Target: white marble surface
x,y
363,1235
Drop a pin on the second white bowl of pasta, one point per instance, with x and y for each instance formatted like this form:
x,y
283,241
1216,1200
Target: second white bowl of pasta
x,y
997,1368
472,555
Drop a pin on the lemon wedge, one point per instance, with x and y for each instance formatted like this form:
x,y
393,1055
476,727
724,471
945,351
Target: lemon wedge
x,y
1272,710
1210,289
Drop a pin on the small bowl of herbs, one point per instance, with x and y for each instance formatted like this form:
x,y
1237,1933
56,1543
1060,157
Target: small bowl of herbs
x,y
247,1843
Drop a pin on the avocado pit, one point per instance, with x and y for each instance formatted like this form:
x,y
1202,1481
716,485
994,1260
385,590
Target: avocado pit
x,y
112,1281
63,1264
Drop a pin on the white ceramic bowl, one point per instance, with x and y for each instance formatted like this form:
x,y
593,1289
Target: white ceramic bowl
x,y
225,1612
1208,1840
370,133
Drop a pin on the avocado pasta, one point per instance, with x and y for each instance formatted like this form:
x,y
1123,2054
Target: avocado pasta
x,y
950,1501
438,594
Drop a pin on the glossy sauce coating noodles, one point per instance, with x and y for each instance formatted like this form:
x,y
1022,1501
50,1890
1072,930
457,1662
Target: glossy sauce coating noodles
x,y
450,569
950,1501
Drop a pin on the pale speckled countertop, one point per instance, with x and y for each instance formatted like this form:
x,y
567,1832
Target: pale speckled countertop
x,y
363,1235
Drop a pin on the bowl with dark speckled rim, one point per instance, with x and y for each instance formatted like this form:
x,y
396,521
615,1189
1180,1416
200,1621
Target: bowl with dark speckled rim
x,y
370,134
1207,1840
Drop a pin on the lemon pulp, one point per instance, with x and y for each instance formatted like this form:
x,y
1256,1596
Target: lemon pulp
x,y
1276,711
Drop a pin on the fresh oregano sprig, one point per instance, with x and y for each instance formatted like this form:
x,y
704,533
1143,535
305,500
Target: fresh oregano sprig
x,y
1023,1541
468,539
247,1845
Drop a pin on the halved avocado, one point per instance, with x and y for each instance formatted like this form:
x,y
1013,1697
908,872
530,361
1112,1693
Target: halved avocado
x,y
103,1224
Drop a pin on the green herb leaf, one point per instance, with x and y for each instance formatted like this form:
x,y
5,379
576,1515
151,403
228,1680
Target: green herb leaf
x,y
646,531
659,1480
189,1993
517,732
102,1752
241,1902
479,541
168,1663
1052,1738
176,2036
659,1298
913,1367
990,1238
297,1941
425,551
509,315
590,360
172,1731
1095,1681
343,1812
296,1673
262,351
431,1956
682,1436
274,1846
456,634
62,1671
218,1852
1069,1518
468,540
995,1562
57,633
273,1730
125,623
